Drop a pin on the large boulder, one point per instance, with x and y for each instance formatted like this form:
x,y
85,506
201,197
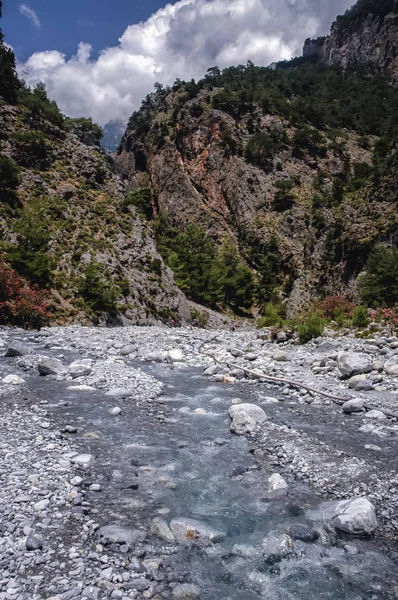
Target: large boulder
x,y
51,366
353,363
353,405
80,368
16,348
391,366
189,530
356,516
246,418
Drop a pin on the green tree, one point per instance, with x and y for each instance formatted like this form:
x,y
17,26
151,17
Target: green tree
x,y
98,289
40,105
9,82
235,278
379,285
9,179
88,132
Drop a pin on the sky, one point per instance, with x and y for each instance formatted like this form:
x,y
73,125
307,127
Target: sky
x,y
99,58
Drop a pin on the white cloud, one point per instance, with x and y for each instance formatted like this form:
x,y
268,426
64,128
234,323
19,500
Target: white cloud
x,y
30,14
180,40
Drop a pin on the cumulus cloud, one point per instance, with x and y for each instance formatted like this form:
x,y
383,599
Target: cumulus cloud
x,y
180,40
30,14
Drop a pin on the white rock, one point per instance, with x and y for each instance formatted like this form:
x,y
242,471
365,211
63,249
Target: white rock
x,y
375,414
79,369
51,366
115,411
277,485
76,481
353,381
13,380
83,460
191,531
391,366
353,363
42,505
356,516
175,355
354,405
118,392
162,530
246,418
81,388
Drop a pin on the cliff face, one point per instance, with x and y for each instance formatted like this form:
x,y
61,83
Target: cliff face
x,y
70,192
364,43
196,161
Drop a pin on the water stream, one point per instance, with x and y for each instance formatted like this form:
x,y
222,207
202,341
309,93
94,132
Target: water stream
x,y
189,465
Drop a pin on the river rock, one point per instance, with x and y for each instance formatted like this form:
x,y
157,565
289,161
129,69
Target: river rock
x,y
34,542
391,366
277,485
118,392
190,530
354,405
276,546
51,366
13,380
162,530
246,418
83,460
356,516
364,386
175,355
353,363
115,411
375,414
79,369
186,591
117,534
353,381
126,350
16,348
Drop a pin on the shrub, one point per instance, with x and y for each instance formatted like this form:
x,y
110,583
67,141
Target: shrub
x,y
32,142
88,132
9,179
38,103
379,285
311,327
97,288
142,200
262,148
360,316
201,317
21,304
273,316
332,307
309,140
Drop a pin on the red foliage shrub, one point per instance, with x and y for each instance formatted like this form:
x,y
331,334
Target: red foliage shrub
x,y
21,303
334,306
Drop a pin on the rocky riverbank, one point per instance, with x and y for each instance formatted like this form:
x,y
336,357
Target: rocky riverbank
x,y
58,521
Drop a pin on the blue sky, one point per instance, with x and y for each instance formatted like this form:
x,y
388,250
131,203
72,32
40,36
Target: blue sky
x,y
99,58
64,23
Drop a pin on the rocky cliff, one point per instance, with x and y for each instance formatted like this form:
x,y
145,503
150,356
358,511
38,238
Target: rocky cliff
x,y
69,196
296,199
364,40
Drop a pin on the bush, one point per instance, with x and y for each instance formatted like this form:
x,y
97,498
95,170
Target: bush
x,y
309,140
97,288
311,327
142,200
379,285
262,148
88,132
333,307
38,103
272,317
360,316
33,143
201,317
21,304
9,179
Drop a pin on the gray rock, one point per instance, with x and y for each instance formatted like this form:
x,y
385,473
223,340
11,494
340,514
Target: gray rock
x,y
16,348
246,418
391,366
140,584
353,381
304,533
356,516
251,356
186,591
79,369
277,486
364,386
51,366
126,350
276,546
118,392
190,530
117,534
162,530
352,363
34,542
354,405
375,414
115,411
83,460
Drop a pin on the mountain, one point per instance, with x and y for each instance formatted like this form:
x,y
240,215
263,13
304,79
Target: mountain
x,y
284,165
112,135
363,40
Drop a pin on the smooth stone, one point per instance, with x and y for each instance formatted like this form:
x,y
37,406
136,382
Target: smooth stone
x,y
81,388
79,369
117,534
175,355
118,392
391,366
354,405
356,516
190,530
95,487
364,386
34,542
353,381
186,591
162,530
126,350
83,460
375,414
115,411
277,485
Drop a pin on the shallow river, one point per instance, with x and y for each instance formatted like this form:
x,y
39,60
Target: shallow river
x,y
191,466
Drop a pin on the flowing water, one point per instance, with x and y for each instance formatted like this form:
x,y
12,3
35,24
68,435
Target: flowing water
x,y
190,466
